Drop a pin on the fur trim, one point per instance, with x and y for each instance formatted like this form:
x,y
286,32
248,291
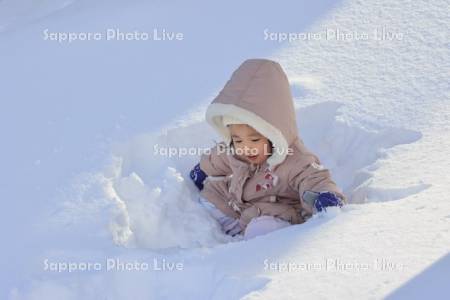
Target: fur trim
x,y
228,120
214,115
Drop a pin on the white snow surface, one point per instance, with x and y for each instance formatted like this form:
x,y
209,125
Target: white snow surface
x,y
82,184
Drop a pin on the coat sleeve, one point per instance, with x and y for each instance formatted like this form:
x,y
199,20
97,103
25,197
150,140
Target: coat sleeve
x,y
311,175
215,162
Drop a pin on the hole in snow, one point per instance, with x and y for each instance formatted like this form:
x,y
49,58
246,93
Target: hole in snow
x,y
157,201
153,204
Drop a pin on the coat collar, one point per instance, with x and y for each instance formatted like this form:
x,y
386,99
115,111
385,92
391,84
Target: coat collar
x,y
241,166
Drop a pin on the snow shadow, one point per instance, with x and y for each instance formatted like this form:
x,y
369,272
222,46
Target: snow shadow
x,y
431,283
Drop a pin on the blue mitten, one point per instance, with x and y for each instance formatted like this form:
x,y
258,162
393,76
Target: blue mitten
x,y
326,199
320,201
198,176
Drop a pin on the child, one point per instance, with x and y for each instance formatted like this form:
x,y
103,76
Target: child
x,y
262,177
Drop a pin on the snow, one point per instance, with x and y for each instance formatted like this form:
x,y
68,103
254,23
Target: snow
x,y
83,184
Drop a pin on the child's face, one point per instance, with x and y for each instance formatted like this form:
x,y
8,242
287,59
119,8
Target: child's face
x,y
249,144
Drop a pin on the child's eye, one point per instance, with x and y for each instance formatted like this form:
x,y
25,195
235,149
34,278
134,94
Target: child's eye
x,y
237,142
255,140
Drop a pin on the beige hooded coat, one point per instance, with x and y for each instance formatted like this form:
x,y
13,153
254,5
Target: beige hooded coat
x,y
258,93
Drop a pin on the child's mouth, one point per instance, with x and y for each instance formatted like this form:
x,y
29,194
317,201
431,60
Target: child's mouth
x,y
253,157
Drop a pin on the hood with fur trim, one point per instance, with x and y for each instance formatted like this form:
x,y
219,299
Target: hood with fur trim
x,y
258,93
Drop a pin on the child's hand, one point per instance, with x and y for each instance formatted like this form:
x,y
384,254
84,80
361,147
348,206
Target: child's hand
x,y
326,199
231,226
317,201
198,176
